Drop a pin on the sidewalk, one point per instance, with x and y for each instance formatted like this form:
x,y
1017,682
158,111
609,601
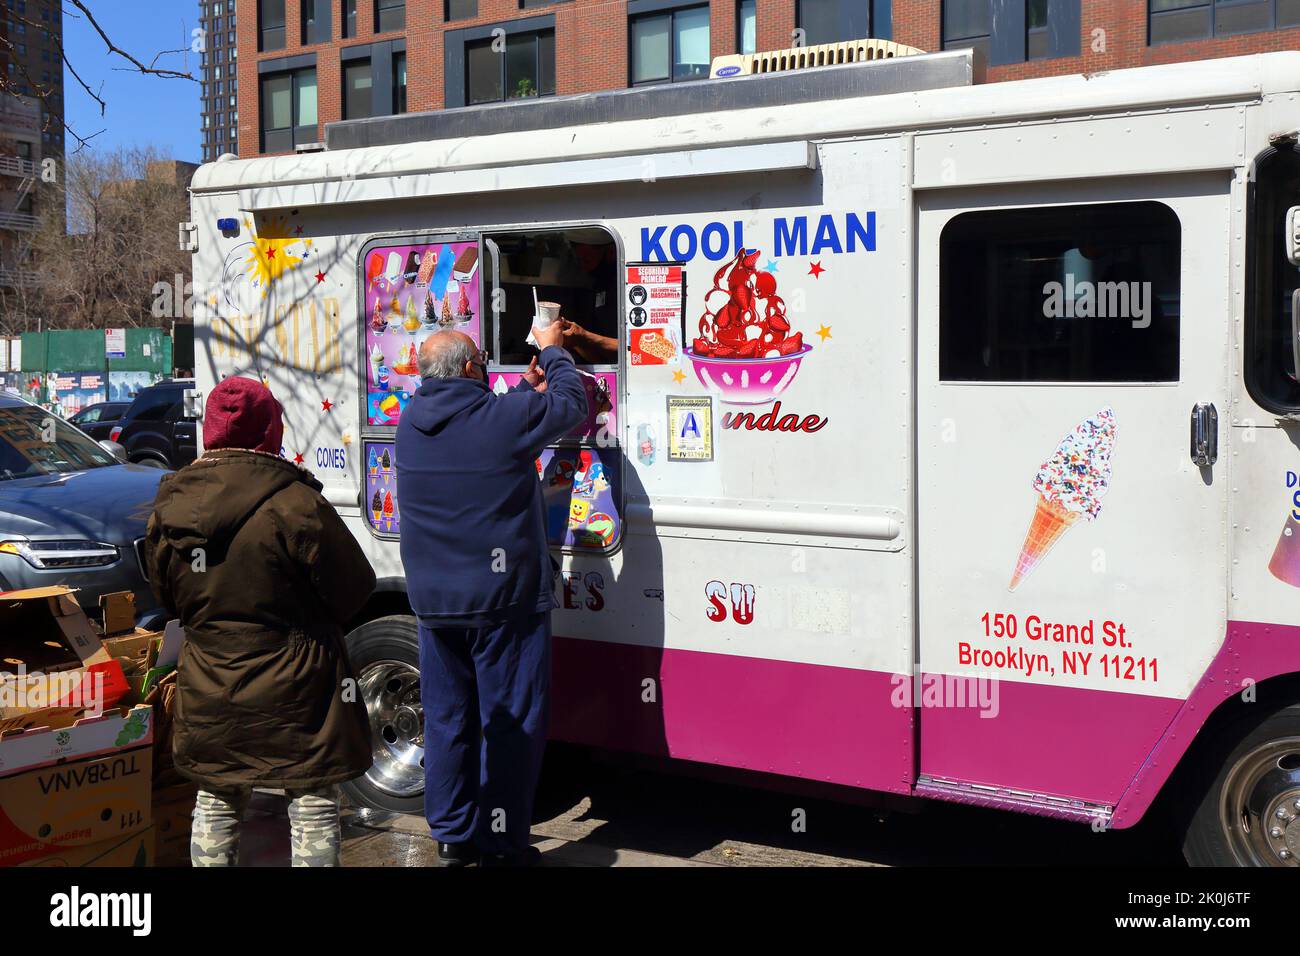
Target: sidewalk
x,y
378,839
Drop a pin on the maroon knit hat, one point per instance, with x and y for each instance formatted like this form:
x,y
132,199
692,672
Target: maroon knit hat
x,y
242,413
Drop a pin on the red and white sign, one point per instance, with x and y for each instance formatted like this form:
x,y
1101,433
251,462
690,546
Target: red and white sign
x,y
654,296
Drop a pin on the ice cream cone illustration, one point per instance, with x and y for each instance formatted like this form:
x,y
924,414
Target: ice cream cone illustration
x,y
1285,565
376,507
1070,487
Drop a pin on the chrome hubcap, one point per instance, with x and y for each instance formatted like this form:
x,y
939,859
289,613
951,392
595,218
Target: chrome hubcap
x,y
1261,805
391,692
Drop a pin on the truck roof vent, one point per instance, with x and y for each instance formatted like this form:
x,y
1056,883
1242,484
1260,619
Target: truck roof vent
x,y
810,57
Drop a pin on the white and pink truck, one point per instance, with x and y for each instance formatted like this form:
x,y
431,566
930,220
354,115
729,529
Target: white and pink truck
x,y
944,436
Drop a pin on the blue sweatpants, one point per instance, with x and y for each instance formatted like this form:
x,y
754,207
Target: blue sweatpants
x,y
486,697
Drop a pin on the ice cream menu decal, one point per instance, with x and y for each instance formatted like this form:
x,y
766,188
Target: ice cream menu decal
x,y
413,291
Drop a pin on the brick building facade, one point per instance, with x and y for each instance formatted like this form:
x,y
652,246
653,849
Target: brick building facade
x,y
304,63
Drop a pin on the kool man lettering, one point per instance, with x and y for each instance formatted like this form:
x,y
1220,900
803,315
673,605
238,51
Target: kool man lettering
x,y
773,421
790,237
742,602
286,339
592,581
1292,481
682,243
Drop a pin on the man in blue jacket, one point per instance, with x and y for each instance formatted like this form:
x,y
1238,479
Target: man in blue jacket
x,y
480,580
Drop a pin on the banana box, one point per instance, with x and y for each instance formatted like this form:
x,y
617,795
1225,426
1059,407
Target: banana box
x,y
52,810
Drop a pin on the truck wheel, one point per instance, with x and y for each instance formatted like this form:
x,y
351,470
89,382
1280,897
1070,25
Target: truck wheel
x,y
385,655
1250,814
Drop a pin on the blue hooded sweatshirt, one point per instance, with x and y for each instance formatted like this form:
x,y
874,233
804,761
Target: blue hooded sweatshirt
x,y
473,526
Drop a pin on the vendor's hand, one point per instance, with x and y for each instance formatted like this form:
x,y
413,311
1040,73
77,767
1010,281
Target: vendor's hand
x,y
552,335
574,334
535,376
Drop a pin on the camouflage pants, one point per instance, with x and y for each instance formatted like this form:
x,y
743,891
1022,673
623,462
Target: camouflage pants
x,y
314,833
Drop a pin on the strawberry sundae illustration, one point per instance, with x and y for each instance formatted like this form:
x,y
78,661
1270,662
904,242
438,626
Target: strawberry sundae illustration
x,y
745,350
1070,486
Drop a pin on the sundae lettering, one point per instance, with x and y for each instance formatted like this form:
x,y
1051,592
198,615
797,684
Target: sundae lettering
x,y
773,421
791,236
742,602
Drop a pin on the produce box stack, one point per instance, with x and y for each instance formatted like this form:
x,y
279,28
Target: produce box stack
x,y
148,659
76,750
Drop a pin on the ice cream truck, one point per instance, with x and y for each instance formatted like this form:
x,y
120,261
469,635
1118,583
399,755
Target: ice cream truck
x,y
943,436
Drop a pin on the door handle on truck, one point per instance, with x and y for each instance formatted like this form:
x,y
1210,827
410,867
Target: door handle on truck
x,y
1205,435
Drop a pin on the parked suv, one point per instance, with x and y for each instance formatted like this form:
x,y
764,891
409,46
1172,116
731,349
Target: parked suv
x,y
156,430
70,512
98,420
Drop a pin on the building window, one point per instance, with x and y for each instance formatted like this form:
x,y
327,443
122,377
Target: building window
x,y
358,89
747,26
270,20
349,18
1082,293
1174,21
526,69
315,21
966,23
390,15
460,9
669,46
1036,38
399,84
288,110
833,21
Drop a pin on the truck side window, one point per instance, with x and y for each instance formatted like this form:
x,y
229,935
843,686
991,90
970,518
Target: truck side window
x,y
1083,293
576,268
1270,367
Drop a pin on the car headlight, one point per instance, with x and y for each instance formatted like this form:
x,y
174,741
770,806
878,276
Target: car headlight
x,y
57,555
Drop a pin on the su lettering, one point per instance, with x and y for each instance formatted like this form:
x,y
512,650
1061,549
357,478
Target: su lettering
x,y
742,602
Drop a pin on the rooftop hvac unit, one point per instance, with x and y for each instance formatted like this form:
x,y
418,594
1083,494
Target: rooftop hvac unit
x,y
809,57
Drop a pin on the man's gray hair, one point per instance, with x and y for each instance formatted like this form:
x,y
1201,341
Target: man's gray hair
x,y
444,354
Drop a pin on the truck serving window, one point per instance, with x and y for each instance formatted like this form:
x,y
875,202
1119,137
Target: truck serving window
x,y
1084,293
576,268
1270,364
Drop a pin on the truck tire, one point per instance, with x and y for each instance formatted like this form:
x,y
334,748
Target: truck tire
x,y
385,655
1249,815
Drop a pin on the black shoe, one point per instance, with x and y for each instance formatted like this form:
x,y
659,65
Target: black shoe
x,y
457,854
529,856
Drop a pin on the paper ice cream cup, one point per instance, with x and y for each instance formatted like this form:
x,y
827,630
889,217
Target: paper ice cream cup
x,y
1285,565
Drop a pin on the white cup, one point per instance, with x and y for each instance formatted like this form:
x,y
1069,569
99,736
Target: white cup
x,y
547,312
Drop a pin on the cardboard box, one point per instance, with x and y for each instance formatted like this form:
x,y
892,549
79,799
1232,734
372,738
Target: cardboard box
x,y
69,733
51,657
134,850
117,612
173,813
49,810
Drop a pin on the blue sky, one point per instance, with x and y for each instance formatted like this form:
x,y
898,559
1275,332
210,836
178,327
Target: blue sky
x,y
141,110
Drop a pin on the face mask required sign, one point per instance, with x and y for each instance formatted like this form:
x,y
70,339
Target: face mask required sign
x,y
655,302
